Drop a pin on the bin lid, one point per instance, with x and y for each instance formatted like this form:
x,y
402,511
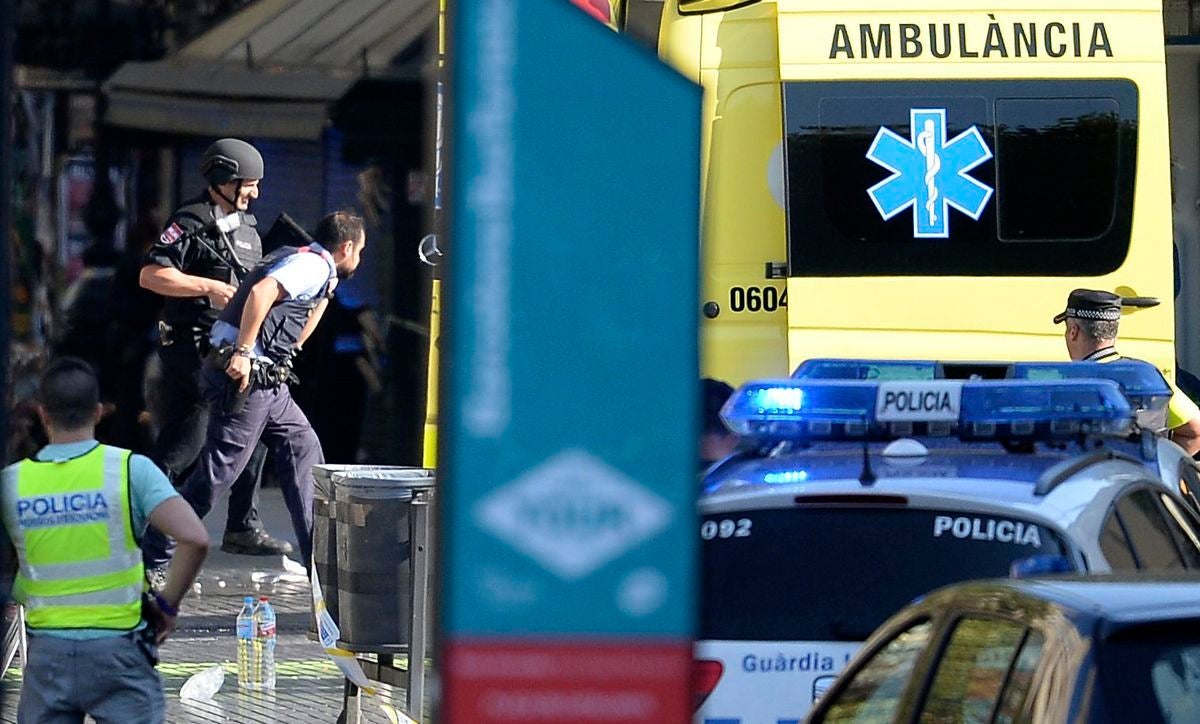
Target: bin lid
x,y
384,482
323,475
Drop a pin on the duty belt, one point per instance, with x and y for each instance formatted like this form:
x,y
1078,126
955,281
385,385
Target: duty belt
x,y
264,372
167,336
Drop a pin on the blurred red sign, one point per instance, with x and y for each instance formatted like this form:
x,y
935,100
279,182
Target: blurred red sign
x,y
599,9
568,682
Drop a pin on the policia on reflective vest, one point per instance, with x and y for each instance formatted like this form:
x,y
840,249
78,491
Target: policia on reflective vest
x,y
1092,317
74,512
209,245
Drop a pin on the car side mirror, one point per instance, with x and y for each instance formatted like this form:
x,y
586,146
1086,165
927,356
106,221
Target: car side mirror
x,y
1040,565
700,7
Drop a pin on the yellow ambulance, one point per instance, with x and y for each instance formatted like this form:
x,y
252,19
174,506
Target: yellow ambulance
x,y
925,179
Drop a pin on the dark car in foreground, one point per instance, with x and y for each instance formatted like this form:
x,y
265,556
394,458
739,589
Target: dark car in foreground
x,y
1103,650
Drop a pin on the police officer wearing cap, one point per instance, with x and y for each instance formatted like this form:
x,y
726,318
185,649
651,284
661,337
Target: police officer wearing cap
x,y
1092,317
207,248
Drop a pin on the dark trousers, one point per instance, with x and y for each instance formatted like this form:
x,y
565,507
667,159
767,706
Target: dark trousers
x,y
185,421
185,413
269,415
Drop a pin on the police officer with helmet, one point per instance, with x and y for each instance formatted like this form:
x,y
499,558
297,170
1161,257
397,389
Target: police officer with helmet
x,y
208,246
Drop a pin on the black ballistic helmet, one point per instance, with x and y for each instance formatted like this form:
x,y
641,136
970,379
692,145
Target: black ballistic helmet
x,y
230,159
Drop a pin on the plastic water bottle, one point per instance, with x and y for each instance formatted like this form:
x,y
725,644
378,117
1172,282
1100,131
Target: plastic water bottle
x,y
264,646
245,641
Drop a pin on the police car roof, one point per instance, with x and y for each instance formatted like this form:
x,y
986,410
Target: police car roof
x,y
1119,600
980,477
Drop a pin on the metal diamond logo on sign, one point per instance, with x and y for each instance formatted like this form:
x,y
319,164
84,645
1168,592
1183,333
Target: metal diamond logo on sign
x,y
573,514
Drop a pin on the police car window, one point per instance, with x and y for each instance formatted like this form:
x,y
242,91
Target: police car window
x,y
785,580
1020,679
1151,673
1146,526
1175,677
873,693
1189,485
1031,177
1183,529
971,671
1114,544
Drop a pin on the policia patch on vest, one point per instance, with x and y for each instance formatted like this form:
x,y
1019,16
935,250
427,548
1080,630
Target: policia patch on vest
x,y
62,509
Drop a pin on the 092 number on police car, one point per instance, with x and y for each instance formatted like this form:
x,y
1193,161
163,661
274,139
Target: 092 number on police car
x,y
727,528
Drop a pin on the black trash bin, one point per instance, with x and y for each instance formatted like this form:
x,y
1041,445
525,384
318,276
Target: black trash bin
x,y
325,532
374,553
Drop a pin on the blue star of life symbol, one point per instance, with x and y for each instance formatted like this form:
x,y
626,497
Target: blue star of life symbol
x,y
929,173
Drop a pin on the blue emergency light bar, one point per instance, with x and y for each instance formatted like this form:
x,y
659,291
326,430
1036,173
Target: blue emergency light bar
x,y
839,409
1142,383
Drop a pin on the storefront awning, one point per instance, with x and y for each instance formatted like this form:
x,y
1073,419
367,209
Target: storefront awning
x,y
270,70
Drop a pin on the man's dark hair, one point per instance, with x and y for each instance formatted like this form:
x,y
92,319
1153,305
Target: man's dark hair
x,y
69,392
337,227
713,395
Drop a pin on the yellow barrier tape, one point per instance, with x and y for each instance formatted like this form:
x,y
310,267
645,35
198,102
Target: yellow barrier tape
x,y
306,668
327,630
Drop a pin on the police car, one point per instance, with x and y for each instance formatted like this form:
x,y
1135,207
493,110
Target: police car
x,y
854,496
1051,651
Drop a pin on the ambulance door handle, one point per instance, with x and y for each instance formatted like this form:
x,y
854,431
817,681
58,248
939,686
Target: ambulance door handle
x,y
1140,302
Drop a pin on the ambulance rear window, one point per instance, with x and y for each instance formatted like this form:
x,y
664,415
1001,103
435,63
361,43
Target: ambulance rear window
x,y
780,574
978,177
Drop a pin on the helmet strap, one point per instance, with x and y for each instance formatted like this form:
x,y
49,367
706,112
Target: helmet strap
x,y
217,190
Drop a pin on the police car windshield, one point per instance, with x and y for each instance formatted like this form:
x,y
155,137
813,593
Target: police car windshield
x,y
780,574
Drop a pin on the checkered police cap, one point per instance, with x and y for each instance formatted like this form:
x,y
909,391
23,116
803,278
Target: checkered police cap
x,y
1091,304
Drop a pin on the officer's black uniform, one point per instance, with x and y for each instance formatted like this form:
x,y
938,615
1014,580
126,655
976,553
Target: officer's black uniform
x,y
195,244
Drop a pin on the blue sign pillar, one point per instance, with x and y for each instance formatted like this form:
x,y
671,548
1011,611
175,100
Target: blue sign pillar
x,y
568,446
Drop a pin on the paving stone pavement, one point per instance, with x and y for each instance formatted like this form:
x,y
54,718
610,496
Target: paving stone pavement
x,y
308,686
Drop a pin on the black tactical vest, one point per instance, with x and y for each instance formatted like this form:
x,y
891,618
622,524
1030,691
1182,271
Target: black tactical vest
x,y
281,329
211,253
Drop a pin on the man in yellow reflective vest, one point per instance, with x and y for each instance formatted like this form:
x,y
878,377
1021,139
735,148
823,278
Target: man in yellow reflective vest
x,y
1092,317
75,512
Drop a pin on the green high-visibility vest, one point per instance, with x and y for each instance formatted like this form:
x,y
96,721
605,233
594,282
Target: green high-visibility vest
x,y
71,523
